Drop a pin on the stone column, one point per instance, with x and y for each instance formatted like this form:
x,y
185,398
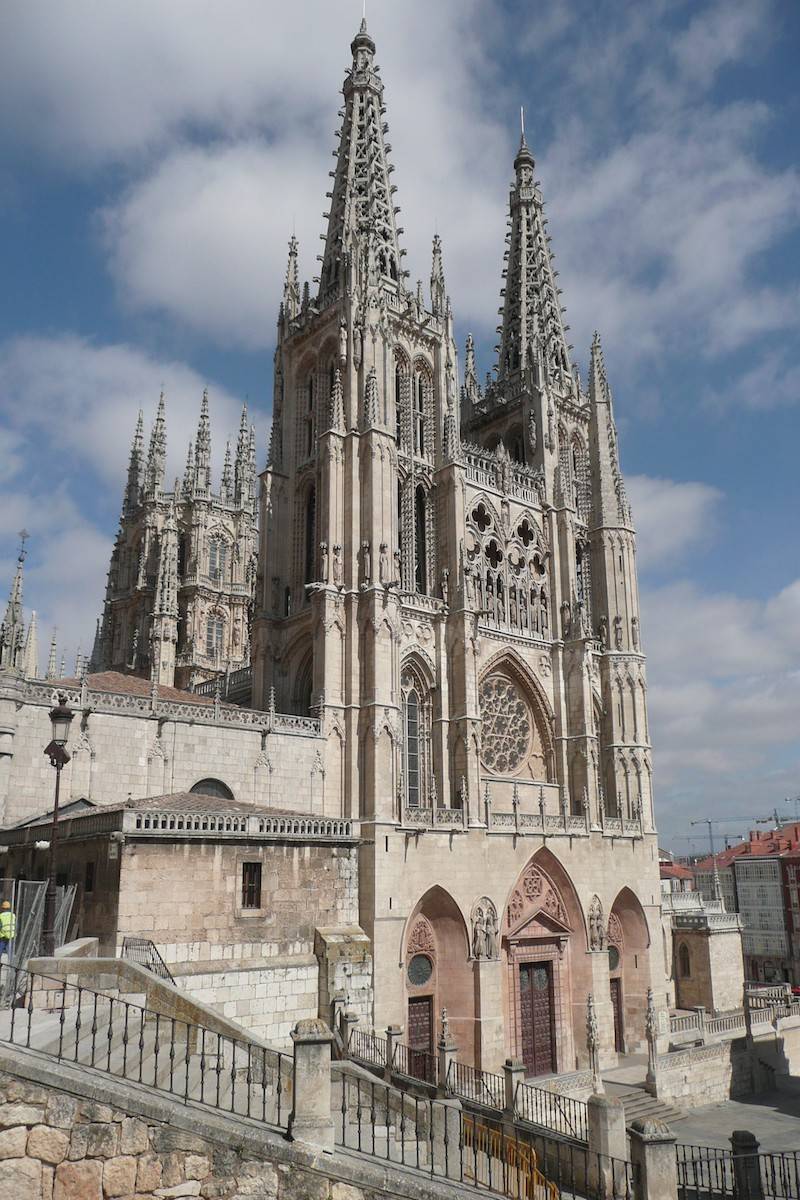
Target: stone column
x,y
746,1170
393,1035
447,1051
601,990
608,1139
700,1009
651,1032
653,1158
349,1020
311,1121
593,1044
514,1073
489,1006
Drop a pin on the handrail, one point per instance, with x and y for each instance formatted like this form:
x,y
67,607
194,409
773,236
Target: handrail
x,y
145,952
140,1044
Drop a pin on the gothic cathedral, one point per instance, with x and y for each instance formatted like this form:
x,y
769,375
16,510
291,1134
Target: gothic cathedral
x,y
447,581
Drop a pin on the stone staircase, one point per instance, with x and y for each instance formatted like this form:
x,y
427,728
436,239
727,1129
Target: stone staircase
x,y
640,1104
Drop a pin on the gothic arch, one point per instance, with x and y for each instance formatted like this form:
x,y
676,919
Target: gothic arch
x,y
416,686
629,934
436,927
507,664
545,864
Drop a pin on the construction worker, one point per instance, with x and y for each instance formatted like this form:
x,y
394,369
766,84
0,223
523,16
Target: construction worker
x,y
8,928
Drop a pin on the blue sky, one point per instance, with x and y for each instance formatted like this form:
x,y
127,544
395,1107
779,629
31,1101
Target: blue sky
x,y
155,159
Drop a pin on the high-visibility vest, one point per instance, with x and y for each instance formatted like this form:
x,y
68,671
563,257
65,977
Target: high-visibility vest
x,y
8,924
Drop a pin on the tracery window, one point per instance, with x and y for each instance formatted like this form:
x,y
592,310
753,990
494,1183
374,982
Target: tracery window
x,y
309,560
420,541
416,739
217,558
215,635
310,416
419,413
507,725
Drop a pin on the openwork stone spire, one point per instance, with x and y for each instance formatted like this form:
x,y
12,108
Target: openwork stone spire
x,y
12,630
362,214
532,315
157,452
438,288
133,489
291,285
202,469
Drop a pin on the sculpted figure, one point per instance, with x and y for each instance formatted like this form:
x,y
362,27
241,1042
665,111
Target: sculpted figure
x,y
478,935
323,559
490,935
445,584
383,564
602,633
338,566
635,632
366,561
618,632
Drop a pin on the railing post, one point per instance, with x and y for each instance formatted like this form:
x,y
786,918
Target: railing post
x,y
700,1009
349,1020
446,1137
746,1169
447,1051
311,1121
654,1160
393,1035
608,1139
514,1075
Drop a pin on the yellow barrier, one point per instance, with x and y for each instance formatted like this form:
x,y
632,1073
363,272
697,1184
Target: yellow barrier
x,y
521,1179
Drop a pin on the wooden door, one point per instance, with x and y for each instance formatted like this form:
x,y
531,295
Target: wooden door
x,y
616,1004
420,1037
536,1017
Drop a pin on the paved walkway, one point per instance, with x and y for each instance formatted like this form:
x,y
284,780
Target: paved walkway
x,y
773,1117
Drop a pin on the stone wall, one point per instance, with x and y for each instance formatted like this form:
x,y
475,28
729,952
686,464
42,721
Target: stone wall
x,y
705,1074
138,752
268,1000
66,1134
716,977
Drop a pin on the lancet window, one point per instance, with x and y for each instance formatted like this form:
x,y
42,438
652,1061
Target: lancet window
x,y
309,536
310,431
215,635
217,558
419,413
416,738
421,540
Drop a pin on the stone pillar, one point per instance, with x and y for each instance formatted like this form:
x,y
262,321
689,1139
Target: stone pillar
x,y
700,1009
653,1158
746,1170
514,1072
446,1137
393,1035
601,990
447,1051
349,1020
311,1121
608,1139
489,1007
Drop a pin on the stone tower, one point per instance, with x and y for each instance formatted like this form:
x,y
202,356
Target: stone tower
x,y
182,574
447,583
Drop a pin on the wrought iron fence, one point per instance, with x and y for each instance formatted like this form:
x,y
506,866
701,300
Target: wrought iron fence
x,y
76,1024
562,1114
367,1048
710,1174
146,954
414,1064
479,1087
478,1151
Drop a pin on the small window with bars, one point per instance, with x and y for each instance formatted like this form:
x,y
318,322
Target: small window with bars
x,y
251,885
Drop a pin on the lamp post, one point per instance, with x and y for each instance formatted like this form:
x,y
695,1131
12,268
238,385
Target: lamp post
x,y
60,721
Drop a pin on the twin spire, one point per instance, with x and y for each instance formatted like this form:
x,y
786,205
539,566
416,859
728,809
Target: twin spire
x,y
19,647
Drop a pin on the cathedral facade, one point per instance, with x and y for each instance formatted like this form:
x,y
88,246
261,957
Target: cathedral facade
x,y
442,631
448,584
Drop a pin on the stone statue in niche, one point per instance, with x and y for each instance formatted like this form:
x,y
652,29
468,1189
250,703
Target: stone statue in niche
x,y
342,342
383,564
618,632
323,560
532,435
445,585
566,619
635,632
366,562
602,633
597,928
484,930
338,566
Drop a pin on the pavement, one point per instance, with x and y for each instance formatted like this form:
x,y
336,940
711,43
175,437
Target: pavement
x,y
773,1117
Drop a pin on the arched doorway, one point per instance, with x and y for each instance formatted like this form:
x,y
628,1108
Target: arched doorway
x,y
438,975
629,970
544,939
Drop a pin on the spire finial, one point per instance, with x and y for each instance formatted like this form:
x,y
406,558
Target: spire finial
x,y
23,537
522,141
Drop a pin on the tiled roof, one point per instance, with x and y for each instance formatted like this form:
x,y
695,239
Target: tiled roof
x,y
675,871
175,802
131,685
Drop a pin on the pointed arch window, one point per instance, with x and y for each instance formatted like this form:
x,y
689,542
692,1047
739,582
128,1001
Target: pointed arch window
x,y
310,417
419,412
420,541
416,740
398,403
217,558
310,536
215,635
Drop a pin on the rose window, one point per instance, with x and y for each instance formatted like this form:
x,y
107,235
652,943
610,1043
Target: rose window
x,y
506,729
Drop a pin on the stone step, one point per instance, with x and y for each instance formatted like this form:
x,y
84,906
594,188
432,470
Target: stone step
x,y
640,1104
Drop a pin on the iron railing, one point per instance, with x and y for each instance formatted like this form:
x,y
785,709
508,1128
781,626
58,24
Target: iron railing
x,y
552,1110
75,1024
414,1064
367,1048
479,1087
478,1151
145,953
709,1174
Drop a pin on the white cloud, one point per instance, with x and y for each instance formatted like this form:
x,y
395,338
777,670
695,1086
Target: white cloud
x,y
72,404
671,518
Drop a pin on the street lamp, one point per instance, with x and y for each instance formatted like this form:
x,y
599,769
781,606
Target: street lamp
x,y
60,721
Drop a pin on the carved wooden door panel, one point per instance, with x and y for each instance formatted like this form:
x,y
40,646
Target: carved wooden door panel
x,y
616,1004
420,1035
536,1017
